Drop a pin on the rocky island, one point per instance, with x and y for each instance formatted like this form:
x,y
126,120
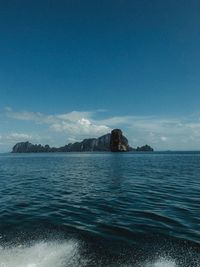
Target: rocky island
x,y
114,142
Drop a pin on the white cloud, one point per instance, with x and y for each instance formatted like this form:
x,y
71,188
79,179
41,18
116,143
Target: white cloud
x,y
40,118
163,138
8,140
24,115
74,123
8,109
84,122
81,128
159,132
18,136
74,115
15,137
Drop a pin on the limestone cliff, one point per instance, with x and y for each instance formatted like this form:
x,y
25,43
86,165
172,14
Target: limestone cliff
x,y
114,142
118,142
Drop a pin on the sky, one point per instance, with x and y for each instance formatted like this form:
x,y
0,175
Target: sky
x,y
76,69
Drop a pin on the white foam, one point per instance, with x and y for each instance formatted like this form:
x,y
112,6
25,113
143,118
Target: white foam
x,y
43,254
57,254
162,262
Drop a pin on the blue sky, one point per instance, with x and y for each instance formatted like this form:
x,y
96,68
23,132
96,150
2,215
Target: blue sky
x,y
74,69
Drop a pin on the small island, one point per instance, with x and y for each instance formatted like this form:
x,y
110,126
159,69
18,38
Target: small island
x,y
113,142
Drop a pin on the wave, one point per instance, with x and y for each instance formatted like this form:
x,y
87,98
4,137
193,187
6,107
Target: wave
x,y
58,254
162,262
41,254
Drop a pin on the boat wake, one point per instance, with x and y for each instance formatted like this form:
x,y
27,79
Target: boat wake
x,y
61,254
163,262
42,254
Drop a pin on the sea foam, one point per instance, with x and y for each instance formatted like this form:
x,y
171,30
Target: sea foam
x,y
162,262
41,254
58,254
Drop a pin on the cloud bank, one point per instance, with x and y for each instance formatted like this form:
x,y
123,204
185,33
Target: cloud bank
x,y
159,132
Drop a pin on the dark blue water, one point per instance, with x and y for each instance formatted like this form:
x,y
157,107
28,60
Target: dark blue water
x,y
90,209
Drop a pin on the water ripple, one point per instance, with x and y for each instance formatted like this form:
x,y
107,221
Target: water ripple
x,y
144,205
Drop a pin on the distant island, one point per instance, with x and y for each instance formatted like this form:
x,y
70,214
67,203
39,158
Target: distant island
x,y
114,142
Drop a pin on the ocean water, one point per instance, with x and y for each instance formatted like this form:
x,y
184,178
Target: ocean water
x,y
100,209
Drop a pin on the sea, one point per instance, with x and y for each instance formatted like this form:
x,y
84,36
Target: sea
x,y
100,209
